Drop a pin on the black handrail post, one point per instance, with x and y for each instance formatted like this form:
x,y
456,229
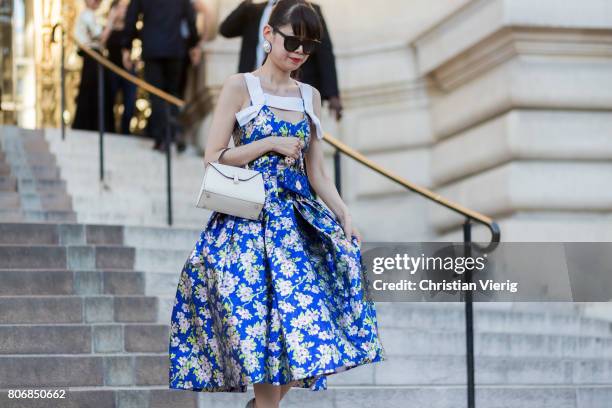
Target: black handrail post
x,y
337,171
469,318
63,84
101,117
168,161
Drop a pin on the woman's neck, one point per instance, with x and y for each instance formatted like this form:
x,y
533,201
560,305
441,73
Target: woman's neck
x,y
275,78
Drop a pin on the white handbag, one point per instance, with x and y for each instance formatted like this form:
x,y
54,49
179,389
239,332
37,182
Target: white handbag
x,y
232,190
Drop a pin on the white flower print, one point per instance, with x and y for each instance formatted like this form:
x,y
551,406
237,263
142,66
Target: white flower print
x,y
303,299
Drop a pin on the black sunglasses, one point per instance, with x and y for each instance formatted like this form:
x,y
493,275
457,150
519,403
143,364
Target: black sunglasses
x,y
293,42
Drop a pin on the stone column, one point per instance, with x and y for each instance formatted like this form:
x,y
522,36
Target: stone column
x,y
522,116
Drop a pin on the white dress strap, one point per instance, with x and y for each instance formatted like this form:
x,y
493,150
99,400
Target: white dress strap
x,y
255,91
257,100
307,95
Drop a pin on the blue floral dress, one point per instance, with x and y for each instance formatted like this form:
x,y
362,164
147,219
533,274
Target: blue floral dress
x,y
278,299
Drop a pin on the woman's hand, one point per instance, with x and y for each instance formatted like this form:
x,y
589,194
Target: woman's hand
x,y
287,146
349,229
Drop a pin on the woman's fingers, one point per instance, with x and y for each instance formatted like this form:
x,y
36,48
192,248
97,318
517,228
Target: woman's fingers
x,y
348,227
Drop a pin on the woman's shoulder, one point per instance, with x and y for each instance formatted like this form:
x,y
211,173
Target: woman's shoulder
x,y
234,80
235,84
236,89
314,91
311,93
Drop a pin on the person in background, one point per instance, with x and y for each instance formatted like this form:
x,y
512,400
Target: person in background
x,y
193,86
117,83
247,21
92,33
163,49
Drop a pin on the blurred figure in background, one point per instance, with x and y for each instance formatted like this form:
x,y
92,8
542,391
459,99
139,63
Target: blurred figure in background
x,y
247,21
117,83
164,46
193,82
91,32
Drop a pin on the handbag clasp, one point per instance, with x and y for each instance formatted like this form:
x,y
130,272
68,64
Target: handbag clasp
x,y
235,178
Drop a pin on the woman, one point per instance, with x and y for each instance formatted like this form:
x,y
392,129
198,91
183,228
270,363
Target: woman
x,y
89,31
279,301
113,44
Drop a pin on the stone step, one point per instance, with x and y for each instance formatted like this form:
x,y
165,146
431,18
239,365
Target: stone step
x,y
148,220
9,200
71,257
400,342
33,310
117,369
162,260
53,201
185,215
87,163
12,215
162,284
113,148
5,169
38,158
96,338
154,238
150,183
60,234
409,316
117,150
50,200
36,170
46,184
63,282
445,370
20,216
35,145
152,200
165,304
8,183
31,133
115,397
553,371
123,159
79,137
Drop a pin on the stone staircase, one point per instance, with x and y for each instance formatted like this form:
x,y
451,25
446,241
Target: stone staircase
x,y
134,189
31,188
85,306
75,316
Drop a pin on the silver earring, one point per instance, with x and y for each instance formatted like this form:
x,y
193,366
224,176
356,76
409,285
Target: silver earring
x,y
267,46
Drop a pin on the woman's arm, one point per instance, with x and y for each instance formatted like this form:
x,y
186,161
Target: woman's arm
x,y
321,181
230,101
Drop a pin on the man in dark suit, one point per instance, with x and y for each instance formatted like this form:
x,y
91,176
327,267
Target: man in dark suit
x,y
168,33
320,68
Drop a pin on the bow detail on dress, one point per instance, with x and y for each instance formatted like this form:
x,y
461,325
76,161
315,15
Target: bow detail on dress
x,y
259,99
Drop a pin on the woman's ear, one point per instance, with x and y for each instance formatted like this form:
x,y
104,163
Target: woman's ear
x,y
267,33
